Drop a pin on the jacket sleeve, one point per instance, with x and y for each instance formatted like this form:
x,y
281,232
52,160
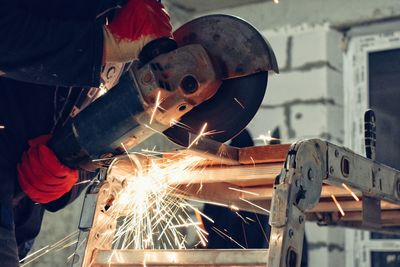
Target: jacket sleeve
x,y
83,182
67,9
53,42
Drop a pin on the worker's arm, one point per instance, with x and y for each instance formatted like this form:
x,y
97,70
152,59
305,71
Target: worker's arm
x,y
65,9
41,175
50,51
38,48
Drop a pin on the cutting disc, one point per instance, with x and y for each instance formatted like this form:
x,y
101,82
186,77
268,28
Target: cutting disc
x,y
243,58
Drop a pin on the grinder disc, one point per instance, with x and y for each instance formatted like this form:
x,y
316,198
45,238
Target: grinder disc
x,y
227,113
243,58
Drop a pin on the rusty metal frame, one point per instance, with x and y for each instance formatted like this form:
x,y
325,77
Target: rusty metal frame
x,y
294,181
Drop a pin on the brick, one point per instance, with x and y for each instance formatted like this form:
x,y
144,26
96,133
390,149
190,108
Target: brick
x,y
296,85
308,120
309,47
317,46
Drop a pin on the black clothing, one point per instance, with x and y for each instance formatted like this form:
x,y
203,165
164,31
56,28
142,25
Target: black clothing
x,y
53,42
48,43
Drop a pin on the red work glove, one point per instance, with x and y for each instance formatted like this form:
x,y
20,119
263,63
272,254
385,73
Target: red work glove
x,y
41,175
137,23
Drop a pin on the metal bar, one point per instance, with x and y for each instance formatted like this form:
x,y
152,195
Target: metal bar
x,y
242,174
264,154
365,175
221,195
256,192
348,205
173,258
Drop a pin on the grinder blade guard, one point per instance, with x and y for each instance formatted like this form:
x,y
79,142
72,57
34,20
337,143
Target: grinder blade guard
x,y
243,58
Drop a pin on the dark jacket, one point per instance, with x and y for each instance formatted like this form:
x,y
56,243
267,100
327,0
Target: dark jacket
x,y
54,49
53,42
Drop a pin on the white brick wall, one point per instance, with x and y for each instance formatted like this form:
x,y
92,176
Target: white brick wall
x,y
305,99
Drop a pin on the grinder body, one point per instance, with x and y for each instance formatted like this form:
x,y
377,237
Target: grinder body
x,y
147,99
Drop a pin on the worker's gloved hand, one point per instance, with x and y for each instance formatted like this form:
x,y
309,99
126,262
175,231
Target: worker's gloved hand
x,y
137,23
41,175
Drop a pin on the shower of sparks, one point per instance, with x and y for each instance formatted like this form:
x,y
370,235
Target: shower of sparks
x,y
156,106
243,191
240,104
254,205
200,135
351,192
338,205
63,243
266,138
150,214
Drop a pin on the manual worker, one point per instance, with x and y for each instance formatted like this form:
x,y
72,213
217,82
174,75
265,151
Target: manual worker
x,y
51,56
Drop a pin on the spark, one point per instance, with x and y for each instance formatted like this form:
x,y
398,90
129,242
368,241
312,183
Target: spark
x,y
83,182
351,192
200,135
154,130
174,122
255,205
338,205
76,249
262,228
185,225
156,106
252,160
2,127
240,104
266,138
201,213
250,219
243,191
229,237
211,202
152,214
241,217
233,207
276,1
103,90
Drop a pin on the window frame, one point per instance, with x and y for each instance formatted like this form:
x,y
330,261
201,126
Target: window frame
x,y
361,41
